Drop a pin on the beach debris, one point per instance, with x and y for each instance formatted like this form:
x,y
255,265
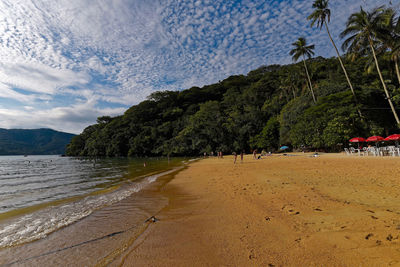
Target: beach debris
x,y
298,240
371,211
271,265
267,218
369,235
317,209
152,219
373,217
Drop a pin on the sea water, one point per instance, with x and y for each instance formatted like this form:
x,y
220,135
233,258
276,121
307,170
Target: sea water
x,y
41,194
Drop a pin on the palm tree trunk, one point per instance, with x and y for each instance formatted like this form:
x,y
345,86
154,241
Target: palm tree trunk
x,y
383,84
344,70
309,80
396,64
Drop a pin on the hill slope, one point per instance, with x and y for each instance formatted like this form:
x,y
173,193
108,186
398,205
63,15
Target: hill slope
x,y
269,107
33,142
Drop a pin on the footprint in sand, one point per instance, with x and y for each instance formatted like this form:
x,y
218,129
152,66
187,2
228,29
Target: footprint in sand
x,y
290,210
390,237
369,236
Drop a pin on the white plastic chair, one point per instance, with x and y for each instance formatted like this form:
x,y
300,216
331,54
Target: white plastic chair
x,y
353,150
393,151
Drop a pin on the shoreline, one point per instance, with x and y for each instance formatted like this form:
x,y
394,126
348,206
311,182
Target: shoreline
x,y
105,230
331,210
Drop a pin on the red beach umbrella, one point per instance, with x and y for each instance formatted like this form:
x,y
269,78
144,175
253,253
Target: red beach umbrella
x,y
375,138
357,140
393,137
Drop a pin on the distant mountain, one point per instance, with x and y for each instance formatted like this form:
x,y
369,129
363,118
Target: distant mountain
x,y
33,142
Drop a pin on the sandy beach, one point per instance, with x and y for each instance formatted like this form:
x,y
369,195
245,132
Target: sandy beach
x,y
331,210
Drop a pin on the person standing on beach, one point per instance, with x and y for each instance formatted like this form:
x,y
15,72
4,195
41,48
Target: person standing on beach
x,y
255,154
241,156
234,157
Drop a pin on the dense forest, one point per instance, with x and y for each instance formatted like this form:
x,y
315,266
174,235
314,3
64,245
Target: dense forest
x,y
33,142
317,103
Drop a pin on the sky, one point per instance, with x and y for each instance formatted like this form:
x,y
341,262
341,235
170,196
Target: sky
x,y
63,63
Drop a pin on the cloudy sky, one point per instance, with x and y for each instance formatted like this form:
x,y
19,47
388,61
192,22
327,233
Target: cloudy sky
x,y
63,63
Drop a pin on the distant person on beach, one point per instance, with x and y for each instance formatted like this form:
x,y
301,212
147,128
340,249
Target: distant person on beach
x,y
205,154
255,154
241,156
234,157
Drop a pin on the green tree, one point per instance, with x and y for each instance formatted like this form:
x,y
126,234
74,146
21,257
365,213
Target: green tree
x,y
390,37
363,28
322,16
269,136
203,132
331,121
301,49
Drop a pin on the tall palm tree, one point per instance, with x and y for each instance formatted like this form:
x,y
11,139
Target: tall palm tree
x,y
363,28
390,37
322,16
301,49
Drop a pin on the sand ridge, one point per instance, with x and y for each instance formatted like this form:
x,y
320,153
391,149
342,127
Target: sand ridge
x,y
331,210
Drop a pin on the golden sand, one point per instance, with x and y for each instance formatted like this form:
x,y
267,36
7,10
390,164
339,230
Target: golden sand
x,y
331,210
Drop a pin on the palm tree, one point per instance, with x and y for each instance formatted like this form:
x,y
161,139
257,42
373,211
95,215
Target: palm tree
x,y
363,28
390,37
322,16
301,49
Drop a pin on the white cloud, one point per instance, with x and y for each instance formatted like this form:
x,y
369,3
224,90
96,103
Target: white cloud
x,y
39,78
69,119
120,51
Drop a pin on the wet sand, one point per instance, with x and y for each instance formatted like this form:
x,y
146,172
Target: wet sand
x,y
96,240
331,210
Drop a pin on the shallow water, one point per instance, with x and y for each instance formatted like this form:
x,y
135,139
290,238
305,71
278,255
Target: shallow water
x,y
41,194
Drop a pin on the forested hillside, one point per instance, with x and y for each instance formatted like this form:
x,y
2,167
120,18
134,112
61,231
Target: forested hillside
x,y
33,142
268,107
